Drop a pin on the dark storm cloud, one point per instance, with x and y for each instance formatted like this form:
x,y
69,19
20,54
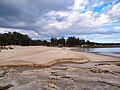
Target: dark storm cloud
x,y
8,13
28,11
7,9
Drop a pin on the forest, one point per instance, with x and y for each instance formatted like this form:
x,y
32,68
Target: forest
x,y
15,38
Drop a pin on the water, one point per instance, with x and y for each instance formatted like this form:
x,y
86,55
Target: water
x,y
105,51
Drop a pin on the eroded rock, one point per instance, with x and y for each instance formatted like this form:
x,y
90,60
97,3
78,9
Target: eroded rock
x,y
62,77
6,87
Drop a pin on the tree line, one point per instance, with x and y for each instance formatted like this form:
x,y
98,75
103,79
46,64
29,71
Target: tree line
x,y
15,38
70,42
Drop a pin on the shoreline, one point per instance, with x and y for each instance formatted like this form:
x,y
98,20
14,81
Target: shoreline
x,y
96,53
87,54
109,58
100,53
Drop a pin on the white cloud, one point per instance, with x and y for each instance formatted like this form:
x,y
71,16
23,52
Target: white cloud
x,y
102,20
80,5
19,24
119,39
97,4
115,11
31,33
74,21
117,28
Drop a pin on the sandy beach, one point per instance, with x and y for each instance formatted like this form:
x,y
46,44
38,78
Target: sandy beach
x,y
53,68
39,55
44,55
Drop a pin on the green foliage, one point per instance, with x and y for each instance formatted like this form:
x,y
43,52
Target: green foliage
x,y
70,42
56,42
15,38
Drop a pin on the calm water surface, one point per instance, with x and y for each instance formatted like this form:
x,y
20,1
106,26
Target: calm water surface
x,y
106,51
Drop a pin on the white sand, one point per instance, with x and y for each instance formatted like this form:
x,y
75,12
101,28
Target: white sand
x,y
43,55
36,55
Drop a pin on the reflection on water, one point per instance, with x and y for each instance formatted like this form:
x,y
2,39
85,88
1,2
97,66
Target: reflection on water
x,y
105,51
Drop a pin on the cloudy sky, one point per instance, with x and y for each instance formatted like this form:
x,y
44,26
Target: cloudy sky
x,y
95,20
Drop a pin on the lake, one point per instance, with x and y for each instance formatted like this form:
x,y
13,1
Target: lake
x,y
105,51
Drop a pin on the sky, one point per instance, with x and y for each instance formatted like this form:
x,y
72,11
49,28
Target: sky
x,y
94,20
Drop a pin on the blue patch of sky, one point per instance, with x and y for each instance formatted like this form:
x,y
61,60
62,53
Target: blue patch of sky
x,y
98,0
116,1
99,8
105,39
109,26
112,25
99,41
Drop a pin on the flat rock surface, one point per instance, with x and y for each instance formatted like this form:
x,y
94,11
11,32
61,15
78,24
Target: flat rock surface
x,y
63,77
